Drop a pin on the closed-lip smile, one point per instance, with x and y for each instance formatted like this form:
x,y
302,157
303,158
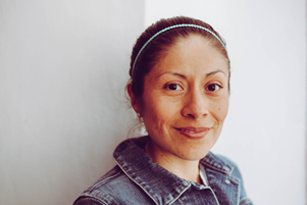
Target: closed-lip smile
x,y
193,132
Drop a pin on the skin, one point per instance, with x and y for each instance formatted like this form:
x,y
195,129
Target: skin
x,y
184,105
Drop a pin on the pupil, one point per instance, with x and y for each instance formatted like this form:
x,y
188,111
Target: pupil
x,y
173,87
212,87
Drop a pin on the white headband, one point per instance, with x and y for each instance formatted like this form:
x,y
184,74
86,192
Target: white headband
x,y
169,28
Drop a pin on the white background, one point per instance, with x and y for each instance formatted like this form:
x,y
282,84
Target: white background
x,y
64,65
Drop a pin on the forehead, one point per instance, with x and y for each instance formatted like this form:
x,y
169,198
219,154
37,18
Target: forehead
x,y
189,54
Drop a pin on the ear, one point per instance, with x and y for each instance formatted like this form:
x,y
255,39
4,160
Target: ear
x,y
133,100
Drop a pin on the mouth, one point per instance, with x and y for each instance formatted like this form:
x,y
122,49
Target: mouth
x,y
193,132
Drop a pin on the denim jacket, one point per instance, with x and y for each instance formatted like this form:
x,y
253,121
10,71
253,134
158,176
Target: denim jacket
x,y
138,180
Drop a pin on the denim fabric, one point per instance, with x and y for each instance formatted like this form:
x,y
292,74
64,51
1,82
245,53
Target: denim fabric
x,y
138,180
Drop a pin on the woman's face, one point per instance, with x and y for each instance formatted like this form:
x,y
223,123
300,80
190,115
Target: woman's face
x,y
185,99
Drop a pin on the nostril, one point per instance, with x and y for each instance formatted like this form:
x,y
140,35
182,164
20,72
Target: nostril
x,y
190,115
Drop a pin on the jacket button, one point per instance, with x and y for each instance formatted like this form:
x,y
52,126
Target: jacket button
x,y
227,181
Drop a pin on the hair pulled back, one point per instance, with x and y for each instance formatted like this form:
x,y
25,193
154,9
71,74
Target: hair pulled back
x,y
158,47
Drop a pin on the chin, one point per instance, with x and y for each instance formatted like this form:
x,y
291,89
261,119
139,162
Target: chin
x,y
194,155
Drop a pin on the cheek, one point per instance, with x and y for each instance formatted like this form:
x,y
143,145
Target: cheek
x,y
158,111
152,111
221,109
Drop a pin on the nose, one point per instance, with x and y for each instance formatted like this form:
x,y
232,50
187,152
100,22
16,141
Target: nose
x,y
195,105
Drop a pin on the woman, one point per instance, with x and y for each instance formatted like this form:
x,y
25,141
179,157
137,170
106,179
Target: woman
x,y
179,89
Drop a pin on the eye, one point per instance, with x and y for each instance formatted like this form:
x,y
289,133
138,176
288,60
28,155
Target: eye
x,y
213,87
173,86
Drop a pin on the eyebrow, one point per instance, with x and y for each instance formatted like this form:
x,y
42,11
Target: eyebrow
x,y
172,73
184,77
215,72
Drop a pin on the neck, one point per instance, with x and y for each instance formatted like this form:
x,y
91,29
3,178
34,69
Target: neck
x,y
186,169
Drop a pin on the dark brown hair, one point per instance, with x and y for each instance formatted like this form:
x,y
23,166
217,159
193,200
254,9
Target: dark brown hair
x,y
158,47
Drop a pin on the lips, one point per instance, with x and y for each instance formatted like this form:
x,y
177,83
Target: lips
x,y
193,132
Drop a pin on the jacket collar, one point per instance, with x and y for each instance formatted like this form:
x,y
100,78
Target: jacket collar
x,y
215,162
139,167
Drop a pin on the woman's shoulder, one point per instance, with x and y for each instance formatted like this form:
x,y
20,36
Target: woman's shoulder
x,y
115,187
105,189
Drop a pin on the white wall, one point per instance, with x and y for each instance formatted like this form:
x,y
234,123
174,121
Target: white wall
x,y
63,69
265,130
